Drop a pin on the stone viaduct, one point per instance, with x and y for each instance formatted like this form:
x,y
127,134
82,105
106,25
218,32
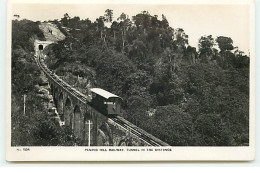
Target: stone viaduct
x,y
90,126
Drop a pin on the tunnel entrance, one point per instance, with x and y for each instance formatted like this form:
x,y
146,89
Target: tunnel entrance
x,y
40,47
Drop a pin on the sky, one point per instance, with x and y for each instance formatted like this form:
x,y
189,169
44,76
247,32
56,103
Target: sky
x,y
196,20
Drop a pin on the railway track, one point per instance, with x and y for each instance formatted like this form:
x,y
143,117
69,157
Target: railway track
x,y
84,99
135,132
62,83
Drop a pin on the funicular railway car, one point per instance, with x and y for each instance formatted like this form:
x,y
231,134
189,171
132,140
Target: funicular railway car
x,y
106,102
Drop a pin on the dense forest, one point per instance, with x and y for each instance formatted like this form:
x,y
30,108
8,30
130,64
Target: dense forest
x,y
182,95
179,94
32,127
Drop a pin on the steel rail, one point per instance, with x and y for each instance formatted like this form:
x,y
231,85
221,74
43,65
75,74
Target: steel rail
x,y
62,84
135,132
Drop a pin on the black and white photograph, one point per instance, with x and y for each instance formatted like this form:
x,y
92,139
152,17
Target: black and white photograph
x,y
131,78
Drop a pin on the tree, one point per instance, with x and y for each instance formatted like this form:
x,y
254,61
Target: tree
x,y
210,131
164,23
124,23
176,125
241,59
170,58
65,19
224,43
137,83
225,46
114,28
113,68
100,24
73,22
180,39
137,52
108,15
138,105
191,54
143,20
206,44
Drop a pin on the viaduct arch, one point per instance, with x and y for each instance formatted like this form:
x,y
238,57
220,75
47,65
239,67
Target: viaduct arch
x,y
78,125
68,113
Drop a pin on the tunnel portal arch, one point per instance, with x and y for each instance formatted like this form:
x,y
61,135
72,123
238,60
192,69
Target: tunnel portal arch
x,y
40,47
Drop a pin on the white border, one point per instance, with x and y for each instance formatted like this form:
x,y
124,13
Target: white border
x,y
177,153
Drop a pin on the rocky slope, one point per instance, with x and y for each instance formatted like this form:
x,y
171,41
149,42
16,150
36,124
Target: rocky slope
x,y
51,32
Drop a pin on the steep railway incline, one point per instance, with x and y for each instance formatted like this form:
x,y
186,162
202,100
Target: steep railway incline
x,y
119,121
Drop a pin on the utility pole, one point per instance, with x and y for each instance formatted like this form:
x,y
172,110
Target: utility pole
x,y
89,123
24,106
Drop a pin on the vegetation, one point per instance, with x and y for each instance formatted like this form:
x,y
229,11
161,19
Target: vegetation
x,y
183,96
35,127
179,94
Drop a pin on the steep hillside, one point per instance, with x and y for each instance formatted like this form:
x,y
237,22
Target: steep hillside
x,y
51,32
33,125
181,95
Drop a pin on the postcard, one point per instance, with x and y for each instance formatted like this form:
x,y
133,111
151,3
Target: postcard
x,y
129,80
